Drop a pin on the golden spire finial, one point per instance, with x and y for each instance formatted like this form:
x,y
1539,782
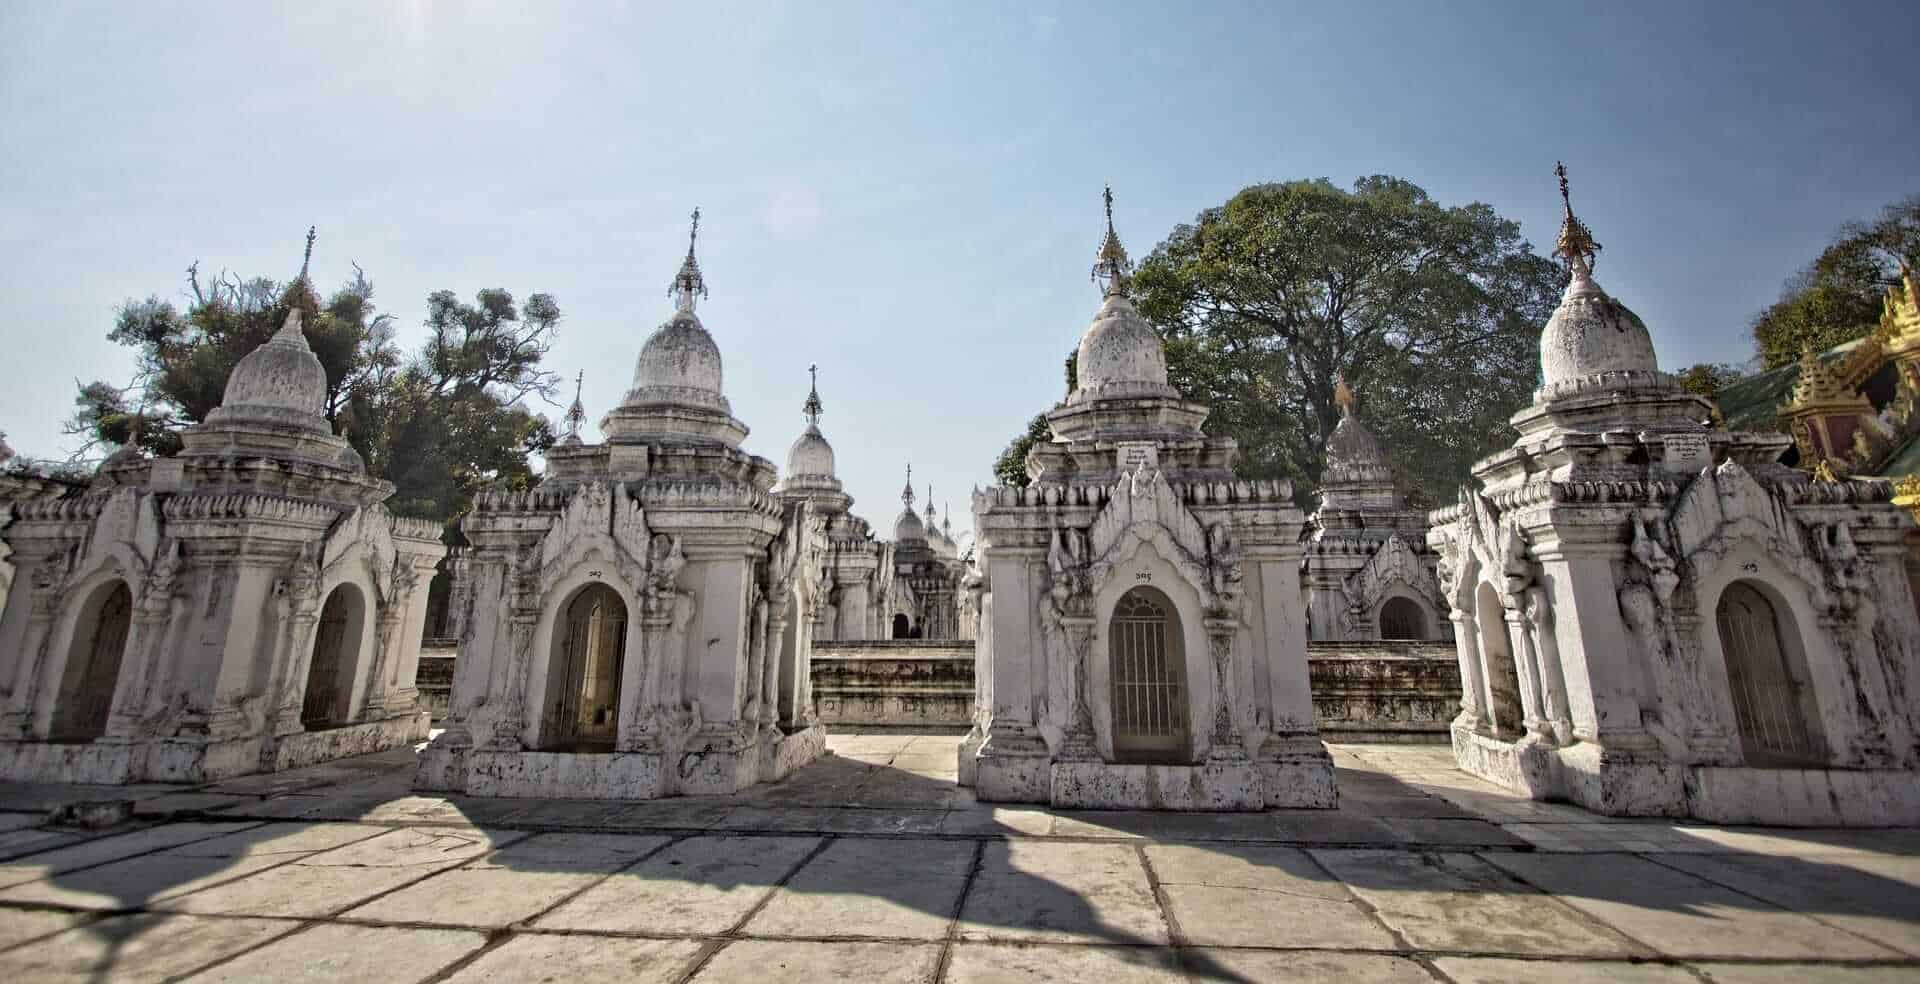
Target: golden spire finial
x,y
1111,267
688,284
1342,394
1575,243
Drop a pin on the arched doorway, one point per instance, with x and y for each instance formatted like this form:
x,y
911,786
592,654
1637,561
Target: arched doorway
x,y
1401,618
93,665
902,627
1147,663
1772,698
583,686
336,654
1496,650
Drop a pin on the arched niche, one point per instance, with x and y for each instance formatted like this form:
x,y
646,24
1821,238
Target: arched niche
x,y
92,671
581,712
337,639
1496,652
1772,691
1147,674
902,626
1139,559
1402,618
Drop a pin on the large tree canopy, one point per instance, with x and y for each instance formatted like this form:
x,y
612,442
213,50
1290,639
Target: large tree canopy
x,y
439,424
1837,297
1431,313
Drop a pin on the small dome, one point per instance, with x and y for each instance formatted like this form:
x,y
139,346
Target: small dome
x,y
811,454
679,363
281,375
909,527
1121,348
1591,333
1352,444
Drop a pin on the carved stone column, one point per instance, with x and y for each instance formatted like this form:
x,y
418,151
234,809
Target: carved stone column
x,y
1224,736
1077,743
1473,682
1527,664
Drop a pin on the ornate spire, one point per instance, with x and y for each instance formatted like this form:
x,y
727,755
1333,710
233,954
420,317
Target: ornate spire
x,y
930,509
577,413
308,257
906,494
946,521
1576,243
812,407
688,285
1111,268
1342,394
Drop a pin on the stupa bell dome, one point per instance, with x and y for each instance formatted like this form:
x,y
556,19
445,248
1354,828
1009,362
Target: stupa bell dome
x,y
678,364
1121,352
811,454
281,379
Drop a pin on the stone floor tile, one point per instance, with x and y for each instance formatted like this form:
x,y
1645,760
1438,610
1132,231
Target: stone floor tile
x,y
100,850
191,803
349,953
993,963
1875,897
511,885
669,815
428,848
1678,914
1259,895
1489,970
30,840
17,926
41,797
283,840
296,889
1450,833
880,963
1103,825
134,883
1298,967
996,821
564,959
702,885
1456,901
1320,827
130,948
865,887
1061,891
1801,973
20,821
857,821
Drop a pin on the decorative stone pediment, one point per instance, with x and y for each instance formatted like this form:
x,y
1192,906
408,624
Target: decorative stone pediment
x,y
124,536
600,518
371,529
1394,563
1142,507
1727,506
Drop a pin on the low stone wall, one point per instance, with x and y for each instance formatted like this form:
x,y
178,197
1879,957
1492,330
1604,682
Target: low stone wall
x,y
435,678
909,683
1384,691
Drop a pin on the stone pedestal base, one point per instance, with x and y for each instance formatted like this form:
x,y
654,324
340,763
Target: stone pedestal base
x,y
443,766
716,770
570,775
199,759
791,753
94,762
311,747
1624,786
1296,778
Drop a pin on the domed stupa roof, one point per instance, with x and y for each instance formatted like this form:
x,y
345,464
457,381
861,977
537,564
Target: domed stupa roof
x,y
908,525
676,393
1120,355
281,381
1590,333
1351,443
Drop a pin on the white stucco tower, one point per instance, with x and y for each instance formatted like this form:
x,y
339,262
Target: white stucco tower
x,y
852,565
1142,639
641,619
246,605
1654,617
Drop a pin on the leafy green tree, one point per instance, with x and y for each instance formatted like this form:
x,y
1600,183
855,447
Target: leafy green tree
x,y
1707,378
1431,313
1011,467
1837,298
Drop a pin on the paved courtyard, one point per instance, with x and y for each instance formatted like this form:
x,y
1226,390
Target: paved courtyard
x,y
873,866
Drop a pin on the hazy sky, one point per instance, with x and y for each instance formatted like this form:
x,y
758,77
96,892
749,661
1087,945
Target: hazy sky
x,y
910,198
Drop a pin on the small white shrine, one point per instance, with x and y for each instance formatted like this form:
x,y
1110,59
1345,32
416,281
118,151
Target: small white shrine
x,y
640,622
1142,641
247,605
1656,618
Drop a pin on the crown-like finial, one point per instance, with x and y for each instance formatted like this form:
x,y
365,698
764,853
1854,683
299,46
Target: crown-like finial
x,y
906,494
1111,267
577,413
1343,395
1576,243
688,285
812,407
307,258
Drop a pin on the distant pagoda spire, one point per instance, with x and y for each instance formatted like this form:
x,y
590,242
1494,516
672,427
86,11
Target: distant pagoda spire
x,y
307,257
906,494
930,509
688,285
1575,243
577,413
812,407
946,520
1112,270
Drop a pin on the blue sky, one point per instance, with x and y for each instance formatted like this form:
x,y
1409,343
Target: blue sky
x,y
909,197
